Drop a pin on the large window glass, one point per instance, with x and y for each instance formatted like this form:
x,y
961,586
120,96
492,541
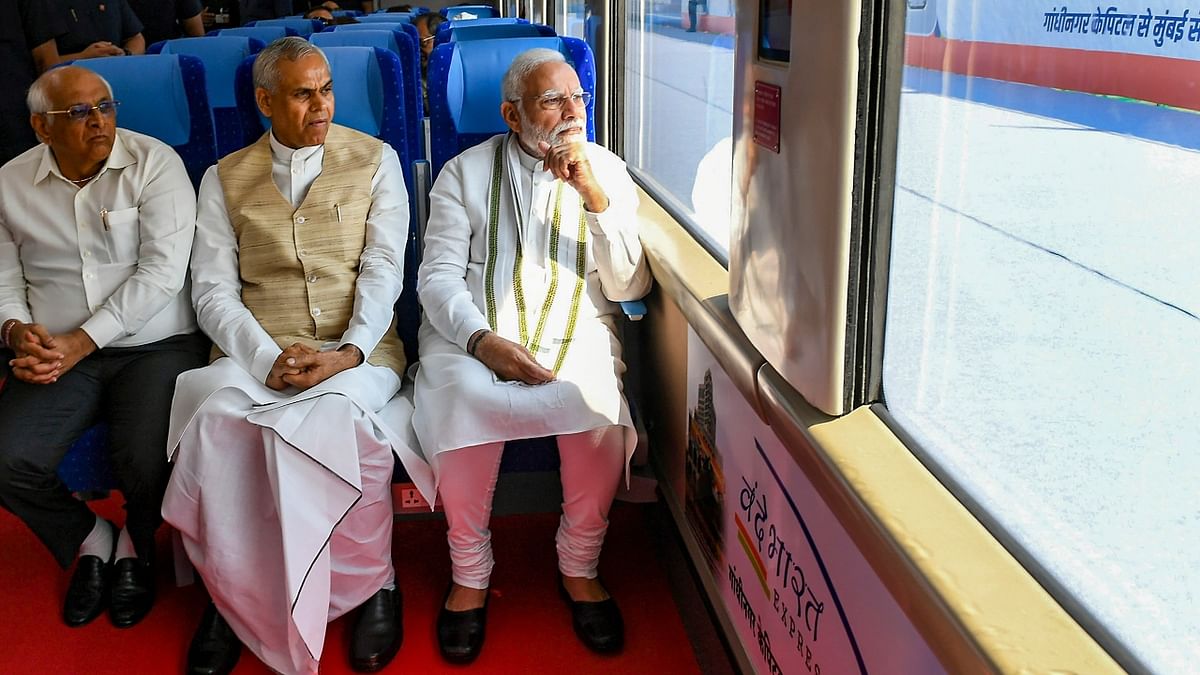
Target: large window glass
x,y
1043,322
678,106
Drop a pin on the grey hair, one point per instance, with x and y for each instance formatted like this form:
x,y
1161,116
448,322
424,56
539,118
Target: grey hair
x,y
38,98
512,87
292,48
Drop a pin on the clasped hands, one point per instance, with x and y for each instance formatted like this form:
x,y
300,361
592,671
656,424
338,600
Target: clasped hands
x,y
301,366
42,358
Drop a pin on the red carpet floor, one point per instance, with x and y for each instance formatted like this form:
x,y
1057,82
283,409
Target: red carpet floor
x,y
529,628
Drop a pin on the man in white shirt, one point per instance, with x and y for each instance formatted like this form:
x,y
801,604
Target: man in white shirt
x,y
282,482
96,226
532,238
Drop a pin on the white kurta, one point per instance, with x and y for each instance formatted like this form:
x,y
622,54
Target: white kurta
x,y
283,499
467,283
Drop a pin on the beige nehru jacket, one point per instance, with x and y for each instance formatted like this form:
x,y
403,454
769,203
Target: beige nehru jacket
x,y
298,266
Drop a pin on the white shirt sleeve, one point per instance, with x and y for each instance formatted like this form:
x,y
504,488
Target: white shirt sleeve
x,y
14,304
381,266
217,286
442,283
166,225
616,248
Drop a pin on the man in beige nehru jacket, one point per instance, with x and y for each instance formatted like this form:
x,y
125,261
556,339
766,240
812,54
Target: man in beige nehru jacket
x,y
284,444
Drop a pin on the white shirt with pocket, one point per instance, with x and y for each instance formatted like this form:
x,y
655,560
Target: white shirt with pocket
x,y
111,256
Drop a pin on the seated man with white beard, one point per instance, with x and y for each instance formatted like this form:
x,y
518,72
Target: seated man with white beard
x,y
532,239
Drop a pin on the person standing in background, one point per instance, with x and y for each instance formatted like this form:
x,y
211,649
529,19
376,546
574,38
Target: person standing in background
x,y
166,19
27,48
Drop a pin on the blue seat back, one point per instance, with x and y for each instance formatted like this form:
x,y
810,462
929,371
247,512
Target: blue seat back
x,y
221,55
401,44
473,30
267,34
468,12
303,27
164,96
388,17
464,89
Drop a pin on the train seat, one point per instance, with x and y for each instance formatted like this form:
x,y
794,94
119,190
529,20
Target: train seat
x,y
478,30
303,27
387,17
469,12
267,34
405,47
164,96
464,89
221,56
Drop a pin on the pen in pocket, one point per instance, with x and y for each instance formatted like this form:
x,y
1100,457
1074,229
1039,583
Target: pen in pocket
x,y
104,218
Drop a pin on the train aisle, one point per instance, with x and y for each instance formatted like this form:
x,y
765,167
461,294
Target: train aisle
x,y
528,631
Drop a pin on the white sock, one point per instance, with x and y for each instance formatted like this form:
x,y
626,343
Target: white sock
x,y
99,541
125,547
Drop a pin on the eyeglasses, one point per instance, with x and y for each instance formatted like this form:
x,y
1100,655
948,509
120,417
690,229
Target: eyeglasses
x,y
81,111
557,101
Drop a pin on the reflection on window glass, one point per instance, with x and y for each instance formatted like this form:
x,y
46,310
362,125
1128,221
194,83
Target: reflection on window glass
x,y
1043,322
678,105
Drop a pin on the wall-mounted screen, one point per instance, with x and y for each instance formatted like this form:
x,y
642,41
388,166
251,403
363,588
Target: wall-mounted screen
x,y
775,30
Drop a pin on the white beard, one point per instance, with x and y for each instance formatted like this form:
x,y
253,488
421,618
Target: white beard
x,y
531,135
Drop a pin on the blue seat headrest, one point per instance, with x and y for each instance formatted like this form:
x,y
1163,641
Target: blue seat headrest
x,y
303,27
474,31
152,95
391,17
267,34
380,37
377,26
357,88
221,55
473,83
468,12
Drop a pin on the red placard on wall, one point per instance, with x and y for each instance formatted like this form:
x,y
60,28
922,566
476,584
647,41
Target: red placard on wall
x,y
766,115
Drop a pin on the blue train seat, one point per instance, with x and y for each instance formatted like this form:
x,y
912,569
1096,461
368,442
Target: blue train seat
x,y
303,27
476,30
221,55
464,89
267,34
387,17
403,27
404,46
347,13
469,12
164,96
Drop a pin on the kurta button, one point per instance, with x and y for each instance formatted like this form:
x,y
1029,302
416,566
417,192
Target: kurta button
x,y
312,278
296,170
302,252
300,220
87,254
316,311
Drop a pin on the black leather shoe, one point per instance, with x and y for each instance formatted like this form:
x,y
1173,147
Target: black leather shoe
x,y
378,631
132,592
215,648
87,594
597,624
460,634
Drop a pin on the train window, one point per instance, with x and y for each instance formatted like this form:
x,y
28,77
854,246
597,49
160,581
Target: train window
x,y
1043,307
678,112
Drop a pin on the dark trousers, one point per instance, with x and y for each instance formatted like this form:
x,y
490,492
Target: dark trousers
x,y
693,5
131,389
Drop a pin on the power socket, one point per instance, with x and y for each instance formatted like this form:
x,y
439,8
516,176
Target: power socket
x,y
407,499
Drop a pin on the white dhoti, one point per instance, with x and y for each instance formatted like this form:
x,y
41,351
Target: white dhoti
x,y
284,501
